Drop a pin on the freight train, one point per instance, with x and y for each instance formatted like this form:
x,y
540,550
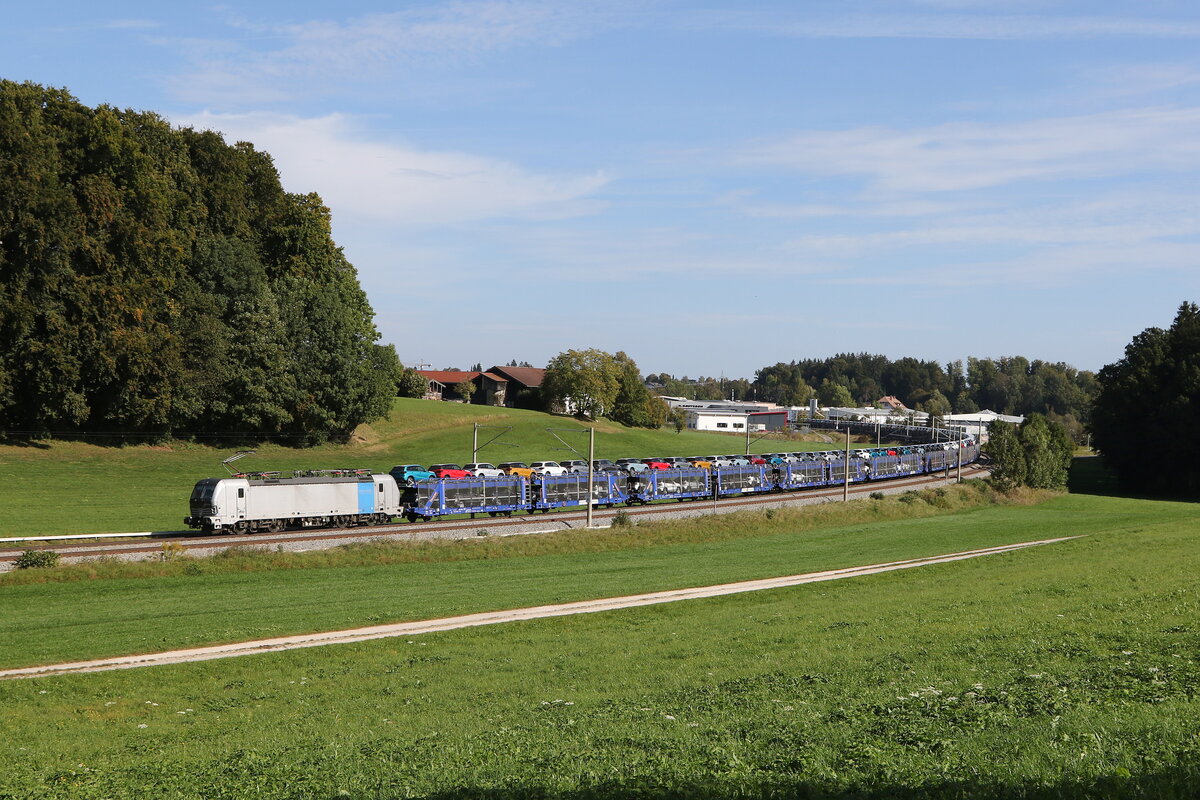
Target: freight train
x,y
274,502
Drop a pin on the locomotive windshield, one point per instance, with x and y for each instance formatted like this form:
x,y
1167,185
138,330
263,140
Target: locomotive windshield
x,y
204,491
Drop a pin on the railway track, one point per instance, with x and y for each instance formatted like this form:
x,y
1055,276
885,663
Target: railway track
x,y
456,528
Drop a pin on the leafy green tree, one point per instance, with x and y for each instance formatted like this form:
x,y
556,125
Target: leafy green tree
x,y
1048,452
464,389
1003,446
586,381
936,405
1143,418
834,394
634,405
154,279
411,383
1037,453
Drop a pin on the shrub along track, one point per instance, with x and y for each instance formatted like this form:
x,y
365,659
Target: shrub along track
x,y
497,617
463,528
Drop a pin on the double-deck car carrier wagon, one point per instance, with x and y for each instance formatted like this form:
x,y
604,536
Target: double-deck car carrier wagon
x,y
670,484
560,491
494,496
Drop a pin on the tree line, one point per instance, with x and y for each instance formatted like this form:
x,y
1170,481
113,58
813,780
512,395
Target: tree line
x,y
160,280
1010,385
1144,421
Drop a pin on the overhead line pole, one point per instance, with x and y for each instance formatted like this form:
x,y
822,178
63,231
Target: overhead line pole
x,y
590,462
476,447
846,469
591,469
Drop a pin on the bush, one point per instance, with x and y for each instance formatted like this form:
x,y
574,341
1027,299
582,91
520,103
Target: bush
x,y
622,519
937,498
172,551
36,558
876,495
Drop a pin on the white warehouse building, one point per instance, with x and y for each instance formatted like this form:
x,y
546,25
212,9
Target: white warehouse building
x,y
736,421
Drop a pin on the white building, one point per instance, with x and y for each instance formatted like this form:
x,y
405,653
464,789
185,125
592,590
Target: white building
x,y
976,423
726,421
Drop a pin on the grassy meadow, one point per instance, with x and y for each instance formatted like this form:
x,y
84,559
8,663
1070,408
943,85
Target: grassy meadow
x,y
61,487
1070,670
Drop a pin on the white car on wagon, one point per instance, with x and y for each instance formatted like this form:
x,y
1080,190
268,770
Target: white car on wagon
x,y
484,470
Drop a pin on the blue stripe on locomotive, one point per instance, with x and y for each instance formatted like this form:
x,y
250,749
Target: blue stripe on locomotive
x,y
366,497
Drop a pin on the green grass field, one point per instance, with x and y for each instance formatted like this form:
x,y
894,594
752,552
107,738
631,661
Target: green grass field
x,y
1071,670
70,487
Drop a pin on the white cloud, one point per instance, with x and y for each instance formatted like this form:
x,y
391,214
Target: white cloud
x,y
398,183
971,155
650,253
334,55
1081,267
946,25
133,24
1148,78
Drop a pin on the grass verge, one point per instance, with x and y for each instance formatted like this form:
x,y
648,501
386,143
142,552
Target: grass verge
x,y
244,598
1068,671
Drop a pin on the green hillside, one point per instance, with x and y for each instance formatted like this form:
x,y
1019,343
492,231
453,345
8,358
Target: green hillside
x,y
60,487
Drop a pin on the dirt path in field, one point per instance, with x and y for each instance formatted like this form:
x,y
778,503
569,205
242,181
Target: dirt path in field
x,y
495,617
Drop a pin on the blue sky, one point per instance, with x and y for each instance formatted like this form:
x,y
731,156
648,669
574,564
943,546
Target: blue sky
x,y
711,187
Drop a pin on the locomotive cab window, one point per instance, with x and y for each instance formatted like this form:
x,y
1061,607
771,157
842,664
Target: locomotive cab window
x,y
241,492
203,492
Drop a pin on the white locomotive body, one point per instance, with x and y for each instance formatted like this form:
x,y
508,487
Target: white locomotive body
x,y
266,502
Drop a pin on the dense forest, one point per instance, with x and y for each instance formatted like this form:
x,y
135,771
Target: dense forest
x,y
1014,385
1145,414
159,280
